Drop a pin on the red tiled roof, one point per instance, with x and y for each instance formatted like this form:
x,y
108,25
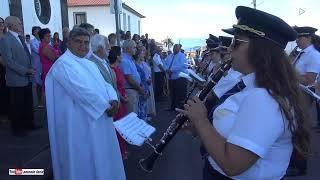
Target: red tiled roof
x,y
88,2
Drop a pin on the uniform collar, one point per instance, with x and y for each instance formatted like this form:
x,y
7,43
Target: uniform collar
x,y
100,59
308,49
14,34
249,80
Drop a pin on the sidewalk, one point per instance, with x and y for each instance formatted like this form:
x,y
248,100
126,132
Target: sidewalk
x,y
30,152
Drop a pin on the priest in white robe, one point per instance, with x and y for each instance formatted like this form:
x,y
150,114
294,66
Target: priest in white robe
x,y
80,106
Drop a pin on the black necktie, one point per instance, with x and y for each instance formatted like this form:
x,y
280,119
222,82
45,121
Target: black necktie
x,y
235,89
25,47
171,64
298,57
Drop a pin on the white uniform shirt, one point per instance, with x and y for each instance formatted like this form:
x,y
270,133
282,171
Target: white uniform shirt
x,y
227,82
252,120
156,62
309,61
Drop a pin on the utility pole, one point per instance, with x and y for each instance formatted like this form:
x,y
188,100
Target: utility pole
x,y
116,14
254,2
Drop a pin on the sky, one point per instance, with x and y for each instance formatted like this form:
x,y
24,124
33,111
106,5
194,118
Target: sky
x,y
195,19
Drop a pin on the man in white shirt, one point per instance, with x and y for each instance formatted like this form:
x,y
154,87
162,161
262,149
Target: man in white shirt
x,y
174,65
307,63
80,104
159,74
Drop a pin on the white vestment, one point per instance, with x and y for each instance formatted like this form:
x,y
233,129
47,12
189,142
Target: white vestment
x,y
83,140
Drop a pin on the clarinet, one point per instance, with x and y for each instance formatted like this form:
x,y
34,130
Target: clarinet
x,y
148,163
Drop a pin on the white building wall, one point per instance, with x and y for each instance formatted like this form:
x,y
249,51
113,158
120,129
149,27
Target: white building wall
x,y
101,18
133,22
4,9
30,17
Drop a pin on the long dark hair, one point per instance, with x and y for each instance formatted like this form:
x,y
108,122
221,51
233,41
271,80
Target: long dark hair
x,y
113,54
275,73
5,28
316,42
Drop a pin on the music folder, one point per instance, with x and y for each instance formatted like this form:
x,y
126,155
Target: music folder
x,y
195,75
186,76
134,130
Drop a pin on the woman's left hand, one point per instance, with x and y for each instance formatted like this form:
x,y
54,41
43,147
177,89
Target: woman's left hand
x,y
195,110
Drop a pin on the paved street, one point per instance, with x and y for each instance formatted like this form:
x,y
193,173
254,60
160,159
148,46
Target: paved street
x,y
180,160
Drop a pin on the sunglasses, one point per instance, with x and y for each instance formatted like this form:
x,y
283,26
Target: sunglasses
x,y
235,43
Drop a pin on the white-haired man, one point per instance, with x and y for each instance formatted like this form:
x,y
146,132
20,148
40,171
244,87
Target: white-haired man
x,y
133,81
100,48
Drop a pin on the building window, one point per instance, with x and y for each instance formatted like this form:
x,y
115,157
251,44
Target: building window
x,y
79,17
129,23
43,10
139,27
124,21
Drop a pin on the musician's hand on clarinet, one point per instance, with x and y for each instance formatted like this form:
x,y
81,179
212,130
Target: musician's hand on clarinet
x,y
195,110
189,128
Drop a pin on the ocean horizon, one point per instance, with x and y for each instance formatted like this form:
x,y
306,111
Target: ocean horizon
x,y
191,43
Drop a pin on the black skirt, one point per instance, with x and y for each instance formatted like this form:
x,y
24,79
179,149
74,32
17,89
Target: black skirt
x,y
4,93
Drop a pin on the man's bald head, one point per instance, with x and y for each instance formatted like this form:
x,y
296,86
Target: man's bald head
x,y
14,24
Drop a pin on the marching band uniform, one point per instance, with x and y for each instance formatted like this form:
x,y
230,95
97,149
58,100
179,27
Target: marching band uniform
x,y
307,61
250,119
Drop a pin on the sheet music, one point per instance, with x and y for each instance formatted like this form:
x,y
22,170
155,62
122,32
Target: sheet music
x,y
134,130
186,76
311,93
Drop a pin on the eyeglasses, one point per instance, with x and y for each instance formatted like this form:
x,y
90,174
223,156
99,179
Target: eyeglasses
x,y
235,43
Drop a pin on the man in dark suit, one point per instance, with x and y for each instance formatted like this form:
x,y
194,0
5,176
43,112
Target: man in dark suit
x,y
19,75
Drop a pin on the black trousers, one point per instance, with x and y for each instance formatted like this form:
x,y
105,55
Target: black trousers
x,y
158,84
21,108
4,95
318,112
178,92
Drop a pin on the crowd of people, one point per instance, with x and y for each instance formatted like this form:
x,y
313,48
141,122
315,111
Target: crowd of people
x,y
87,80
127,65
